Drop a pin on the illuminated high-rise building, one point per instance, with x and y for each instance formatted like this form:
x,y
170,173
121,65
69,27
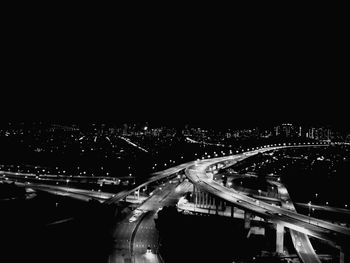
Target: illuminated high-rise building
x,y
125,129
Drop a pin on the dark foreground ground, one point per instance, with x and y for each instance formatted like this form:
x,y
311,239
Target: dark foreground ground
x,y
28,235
189,238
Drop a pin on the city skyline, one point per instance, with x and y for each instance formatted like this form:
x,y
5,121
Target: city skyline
x,y
181,125
134,181
147,143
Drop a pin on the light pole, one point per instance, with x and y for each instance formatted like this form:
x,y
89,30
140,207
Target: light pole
x,y
67,181
309,210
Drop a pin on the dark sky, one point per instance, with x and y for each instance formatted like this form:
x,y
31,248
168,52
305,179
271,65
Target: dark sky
x,y
180,93
224,80
209,103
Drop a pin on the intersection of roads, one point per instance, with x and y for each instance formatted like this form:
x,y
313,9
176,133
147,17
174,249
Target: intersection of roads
x,y
133,238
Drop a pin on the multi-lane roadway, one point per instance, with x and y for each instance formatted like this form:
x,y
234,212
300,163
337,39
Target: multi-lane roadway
x,y
133,237
300,240
143,232
338,235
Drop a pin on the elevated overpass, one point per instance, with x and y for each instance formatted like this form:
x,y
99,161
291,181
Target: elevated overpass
x,y
199,172
200,175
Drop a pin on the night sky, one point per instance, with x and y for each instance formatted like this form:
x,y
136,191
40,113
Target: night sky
x,y
207,105
261,80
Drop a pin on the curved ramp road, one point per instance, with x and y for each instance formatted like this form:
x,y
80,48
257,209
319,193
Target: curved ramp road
x,y
196,171
300,240
337,235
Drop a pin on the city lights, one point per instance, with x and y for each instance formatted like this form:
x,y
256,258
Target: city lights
x,y
181,178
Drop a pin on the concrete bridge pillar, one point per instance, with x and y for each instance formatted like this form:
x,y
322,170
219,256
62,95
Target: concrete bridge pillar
x,y
211,202
199,198
341,256
247,218
195,193
137,194
206,199
232,211
202,199
344,255
199,193
279,238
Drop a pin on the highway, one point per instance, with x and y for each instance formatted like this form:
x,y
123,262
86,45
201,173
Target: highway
x,y
109,198
300,240
324,208
338,235
156,177
76,193
132,238
61,178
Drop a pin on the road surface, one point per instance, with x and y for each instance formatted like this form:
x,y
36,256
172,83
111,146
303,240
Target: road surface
x,y
338,235
132,238
300,240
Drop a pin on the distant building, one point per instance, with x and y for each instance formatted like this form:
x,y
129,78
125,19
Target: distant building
x,y
320,133
286,130
55,127
125,129
277,130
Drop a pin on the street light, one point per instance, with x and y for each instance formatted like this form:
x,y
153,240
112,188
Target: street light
x,y
309,203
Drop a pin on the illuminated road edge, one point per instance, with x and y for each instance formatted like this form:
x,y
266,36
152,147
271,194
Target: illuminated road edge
x,y
196,171
299,224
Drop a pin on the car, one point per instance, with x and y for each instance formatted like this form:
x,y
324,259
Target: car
x,y
186,212
149,250
298,243
279,214
132,219
137,212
